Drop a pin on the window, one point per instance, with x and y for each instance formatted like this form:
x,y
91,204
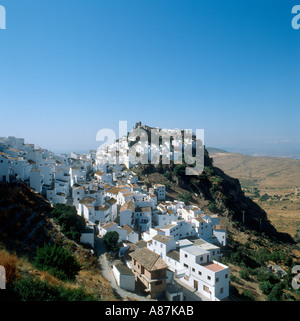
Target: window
x,y
161,245
199,272
208,277
226,276
205,288
201,258
193,269
185,265
221,290
217,279
158,282
185,255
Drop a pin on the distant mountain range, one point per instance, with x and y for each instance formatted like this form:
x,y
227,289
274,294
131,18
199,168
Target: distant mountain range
x,y
266,152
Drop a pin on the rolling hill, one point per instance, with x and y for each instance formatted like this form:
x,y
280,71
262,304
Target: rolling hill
x,y
272,182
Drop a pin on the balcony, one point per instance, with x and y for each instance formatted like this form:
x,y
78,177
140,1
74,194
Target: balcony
x,y
146,277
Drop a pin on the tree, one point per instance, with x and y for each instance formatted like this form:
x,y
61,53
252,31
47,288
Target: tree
x,y
244,274
179,170
70,222
57,261
111,240
212,207
265,287
276,292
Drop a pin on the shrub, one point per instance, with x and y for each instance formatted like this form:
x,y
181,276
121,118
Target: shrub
x,y
244,274
265,287
233,278
276,292
9,262
179,170
111,240
70,222
248,295
212,207
57,261
30,289
186,197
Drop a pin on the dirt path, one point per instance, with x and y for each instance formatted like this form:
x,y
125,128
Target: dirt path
x,y
108,274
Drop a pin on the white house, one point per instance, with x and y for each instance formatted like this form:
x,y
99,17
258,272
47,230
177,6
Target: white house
x,y
21,169
107,227
124,277
206,276
142,218
160,191
160,218
220,233
132,235
124,196
56,198
189,212
179,229
126,214
4,167
103,177
87,236
161,245
36,181
110,227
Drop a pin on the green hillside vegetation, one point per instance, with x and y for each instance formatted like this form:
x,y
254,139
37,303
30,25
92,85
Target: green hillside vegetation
x,y
43,259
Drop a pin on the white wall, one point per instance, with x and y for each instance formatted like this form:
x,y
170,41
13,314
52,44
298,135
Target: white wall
x,y
126,282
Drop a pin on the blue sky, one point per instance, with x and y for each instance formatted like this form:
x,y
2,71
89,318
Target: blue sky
x,y
70,68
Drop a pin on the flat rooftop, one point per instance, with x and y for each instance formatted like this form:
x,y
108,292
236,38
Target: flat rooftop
x,y
214,266
194,250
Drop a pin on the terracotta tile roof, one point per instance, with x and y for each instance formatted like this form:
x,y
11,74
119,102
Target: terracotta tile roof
x,y
108,225
148,259
87,200
128,229
161,238
127,206
112,201
113,190
174,254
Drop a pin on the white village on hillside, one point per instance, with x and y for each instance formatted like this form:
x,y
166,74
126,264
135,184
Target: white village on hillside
x,y
169,247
